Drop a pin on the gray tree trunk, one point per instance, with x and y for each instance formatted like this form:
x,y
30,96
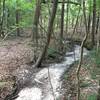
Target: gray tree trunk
x,y
49,32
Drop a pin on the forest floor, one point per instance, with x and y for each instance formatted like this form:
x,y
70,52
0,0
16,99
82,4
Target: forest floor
x,y
16,59
14,53
16,64
89,81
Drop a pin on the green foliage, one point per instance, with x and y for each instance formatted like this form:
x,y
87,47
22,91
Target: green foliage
x,y
90,5
2,84
51,53
92,97
95,57
98,5
65,76
85,84
26,9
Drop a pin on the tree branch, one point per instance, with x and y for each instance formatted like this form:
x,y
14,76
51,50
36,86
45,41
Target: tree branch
x,y
71,2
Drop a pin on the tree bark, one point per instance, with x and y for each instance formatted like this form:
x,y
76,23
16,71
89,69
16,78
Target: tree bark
x,y
2,20
81,55
97,33
89,22
62,26
49,30
76,22
97,23
36,21
93,23
89,18
17,19
67,17
35,37
98,96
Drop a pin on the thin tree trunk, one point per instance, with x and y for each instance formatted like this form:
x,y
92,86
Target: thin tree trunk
x,y
98,46
89,22
81,55
17,19
97,23
97,33
49,30
34,36
93,23
98,96
72,23
2,20
0,11
36,21
7,20
67,17
76,22
89,18
62,26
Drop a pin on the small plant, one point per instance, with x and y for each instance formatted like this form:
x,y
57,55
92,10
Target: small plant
x,y
85,84
51,52
92,97
95,57
65,77
2,84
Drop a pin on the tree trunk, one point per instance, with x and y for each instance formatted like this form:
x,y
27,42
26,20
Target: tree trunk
x,y
49,30
89,18
8,15
98,96
89,22
97,23
35,37
76,22
67,17
0,11
81,55
36,21
93,23
17,19
62,26
2,20
97,33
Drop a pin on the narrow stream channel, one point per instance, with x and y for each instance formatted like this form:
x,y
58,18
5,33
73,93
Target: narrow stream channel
x,y
48,85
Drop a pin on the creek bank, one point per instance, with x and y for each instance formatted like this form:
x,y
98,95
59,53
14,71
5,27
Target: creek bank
x,y
78,41
89,85
30,79
16,64
13,54
47,76
22,75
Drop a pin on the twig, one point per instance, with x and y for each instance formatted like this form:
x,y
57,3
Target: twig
x,y
81,55
51,84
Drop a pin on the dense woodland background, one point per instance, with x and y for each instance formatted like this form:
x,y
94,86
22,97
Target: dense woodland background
x,y
46,25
